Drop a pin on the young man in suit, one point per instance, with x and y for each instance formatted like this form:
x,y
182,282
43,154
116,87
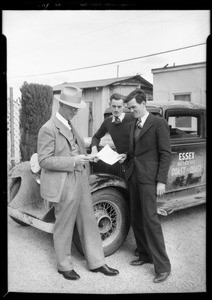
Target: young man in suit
x,y
117,126
147,169
64,166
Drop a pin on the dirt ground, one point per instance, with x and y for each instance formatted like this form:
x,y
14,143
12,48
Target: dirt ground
x,y
32,266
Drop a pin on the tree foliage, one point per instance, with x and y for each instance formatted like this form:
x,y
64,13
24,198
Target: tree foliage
x,y
36,109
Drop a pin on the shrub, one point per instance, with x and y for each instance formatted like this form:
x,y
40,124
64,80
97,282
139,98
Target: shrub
x,y
36,109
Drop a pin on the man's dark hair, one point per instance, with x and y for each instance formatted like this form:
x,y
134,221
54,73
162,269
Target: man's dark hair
x,y
117,96
138,94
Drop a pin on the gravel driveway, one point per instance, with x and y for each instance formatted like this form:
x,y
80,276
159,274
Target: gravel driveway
x,y
32,267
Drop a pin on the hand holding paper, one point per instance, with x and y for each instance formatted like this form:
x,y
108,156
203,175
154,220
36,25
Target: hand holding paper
x,y
108,155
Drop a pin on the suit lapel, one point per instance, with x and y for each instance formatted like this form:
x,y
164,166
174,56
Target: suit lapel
x,y
62,128
67,134
131,146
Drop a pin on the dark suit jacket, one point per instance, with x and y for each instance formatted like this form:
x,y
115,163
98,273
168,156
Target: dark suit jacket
x,y
150,157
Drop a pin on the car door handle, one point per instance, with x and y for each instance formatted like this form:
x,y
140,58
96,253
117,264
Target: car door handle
x,y
173,152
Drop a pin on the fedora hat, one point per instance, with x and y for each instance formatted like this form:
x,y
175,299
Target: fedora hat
x,y
71,96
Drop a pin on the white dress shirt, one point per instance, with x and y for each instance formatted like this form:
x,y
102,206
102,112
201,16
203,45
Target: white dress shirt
x,y
121,117
142,120
63,120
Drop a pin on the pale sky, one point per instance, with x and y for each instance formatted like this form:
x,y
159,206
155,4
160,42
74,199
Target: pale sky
x,y
40,42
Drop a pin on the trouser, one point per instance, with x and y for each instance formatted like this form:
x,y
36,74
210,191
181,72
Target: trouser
x,y
146,224
76,206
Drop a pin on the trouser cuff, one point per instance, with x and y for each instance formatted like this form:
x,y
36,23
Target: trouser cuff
x,y
96,265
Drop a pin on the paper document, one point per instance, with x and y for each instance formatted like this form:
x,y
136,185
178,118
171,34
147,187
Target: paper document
x,y
108,155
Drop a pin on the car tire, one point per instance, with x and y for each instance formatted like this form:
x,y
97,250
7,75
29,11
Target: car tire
x,y
113,219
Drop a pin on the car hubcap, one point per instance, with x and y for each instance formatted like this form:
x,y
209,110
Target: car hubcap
x,y
106,216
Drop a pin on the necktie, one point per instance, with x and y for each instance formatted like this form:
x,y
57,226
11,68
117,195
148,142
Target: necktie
x,y
74,136
69,123
139,123
117,120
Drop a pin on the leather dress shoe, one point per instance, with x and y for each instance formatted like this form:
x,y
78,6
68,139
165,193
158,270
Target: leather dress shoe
x,y
161,277
70,275
140,262
106,271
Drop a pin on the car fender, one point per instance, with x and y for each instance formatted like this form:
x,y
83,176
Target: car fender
x,y
25,202
29,189
99,181
19,170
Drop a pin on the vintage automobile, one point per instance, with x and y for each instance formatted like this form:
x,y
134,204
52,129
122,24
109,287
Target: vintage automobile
x,y
186,185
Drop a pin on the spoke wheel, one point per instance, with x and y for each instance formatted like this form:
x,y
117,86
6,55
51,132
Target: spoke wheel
x,y
113,219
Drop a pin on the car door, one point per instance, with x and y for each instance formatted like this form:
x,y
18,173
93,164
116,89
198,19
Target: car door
x,y
187,173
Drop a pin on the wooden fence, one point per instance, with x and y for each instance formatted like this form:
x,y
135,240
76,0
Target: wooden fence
x,y
13,131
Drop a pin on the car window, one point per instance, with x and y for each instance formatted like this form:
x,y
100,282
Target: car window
x,y
183,126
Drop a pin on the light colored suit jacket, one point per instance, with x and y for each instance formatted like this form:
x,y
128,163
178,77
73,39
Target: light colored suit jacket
x,y
55,156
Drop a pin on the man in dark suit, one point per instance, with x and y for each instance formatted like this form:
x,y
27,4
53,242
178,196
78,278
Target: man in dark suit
x,y
149,160
116,125
64,166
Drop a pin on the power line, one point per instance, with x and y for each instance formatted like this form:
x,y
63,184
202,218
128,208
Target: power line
x,y
94,31
111,63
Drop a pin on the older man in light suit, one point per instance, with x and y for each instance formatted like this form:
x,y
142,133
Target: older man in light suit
x,y
64,181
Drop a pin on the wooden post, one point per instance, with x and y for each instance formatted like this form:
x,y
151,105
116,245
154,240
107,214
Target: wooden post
x,y
90,119
12,128
117,71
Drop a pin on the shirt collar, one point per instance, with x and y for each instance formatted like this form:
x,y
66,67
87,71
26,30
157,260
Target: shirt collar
x,y
143,119
121,117
63,120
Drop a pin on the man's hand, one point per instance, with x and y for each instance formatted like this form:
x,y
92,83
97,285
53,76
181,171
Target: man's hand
x,y
123,157
92,157
81,159
94,151
160,188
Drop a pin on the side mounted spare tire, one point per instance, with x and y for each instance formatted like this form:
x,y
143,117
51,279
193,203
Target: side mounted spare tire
x,y
113,219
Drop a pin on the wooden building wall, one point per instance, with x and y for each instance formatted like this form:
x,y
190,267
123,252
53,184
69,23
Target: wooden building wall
x,y
181,80
89,119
